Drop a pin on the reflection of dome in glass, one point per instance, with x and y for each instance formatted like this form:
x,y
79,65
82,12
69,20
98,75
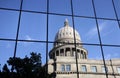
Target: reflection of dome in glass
x,y
66,32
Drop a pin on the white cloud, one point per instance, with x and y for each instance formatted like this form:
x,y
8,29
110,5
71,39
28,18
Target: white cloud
x,y
27,37
107,56
111,56
102,28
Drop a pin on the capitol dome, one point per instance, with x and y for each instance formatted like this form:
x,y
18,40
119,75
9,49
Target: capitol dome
x,y
66,34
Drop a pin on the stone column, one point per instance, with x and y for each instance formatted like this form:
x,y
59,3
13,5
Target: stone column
x,y
71,51
80,54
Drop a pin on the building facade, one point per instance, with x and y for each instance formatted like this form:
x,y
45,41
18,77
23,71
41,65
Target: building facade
x,y
63,56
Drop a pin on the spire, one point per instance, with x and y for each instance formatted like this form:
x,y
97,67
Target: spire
x,y
66,22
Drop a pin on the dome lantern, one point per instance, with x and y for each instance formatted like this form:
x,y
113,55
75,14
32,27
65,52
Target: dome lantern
x,y
66,23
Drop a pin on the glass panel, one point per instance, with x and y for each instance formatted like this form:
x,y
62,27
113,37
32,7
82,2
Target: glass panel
x,y
87,30
12,4
35,5
109,32
68,68
25,48
83,7
117,6
9,23
60,6
6,51
84,69
94,52
111,52
104,8
55,24
33,26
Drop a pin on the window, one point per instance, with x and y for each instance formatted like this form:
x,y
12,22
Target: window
x,y
118,70
84,69
61,52
94,69
57,53
62,67
103,69
68,68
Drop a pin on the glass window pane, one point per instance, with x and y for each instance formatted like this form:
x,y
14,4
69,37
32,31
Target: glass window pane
x,y
60,6
12,4
55,23
68,68
6,51
25,48
111,52
94,69
103,69
83,7
117,7
62,67
87,29
35,5
94,52
104,8
84,69
32,26
8,24
109,32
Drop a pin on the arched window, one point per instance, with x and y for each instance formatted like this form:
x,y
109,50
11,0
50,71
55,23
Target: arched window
x,y
61,52
67,51
57,53
82,54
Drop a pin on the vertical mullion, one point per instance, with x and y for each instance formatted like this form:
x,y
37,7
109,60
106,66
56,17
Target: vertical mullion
x,y
116,13
99,38
17,34
47,37
74,38
112,68
18,28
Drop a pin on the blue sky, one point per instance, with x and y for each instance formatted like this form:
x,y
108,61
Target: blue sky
x,y
33,26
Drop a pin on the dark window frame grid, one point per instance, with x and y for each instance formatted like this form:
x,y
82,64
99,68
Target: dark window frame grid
x,y
71,15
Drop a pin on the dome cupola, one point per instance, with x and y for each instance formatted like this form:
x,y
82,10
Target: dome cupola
x,y
66,34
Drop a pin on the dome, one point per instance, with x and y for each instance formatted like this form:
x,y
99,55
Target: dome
x,y
66,33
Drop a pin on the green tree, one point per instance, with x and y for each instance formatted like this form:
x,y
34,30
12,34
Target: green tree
x,y
5,69
28,67
5,72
